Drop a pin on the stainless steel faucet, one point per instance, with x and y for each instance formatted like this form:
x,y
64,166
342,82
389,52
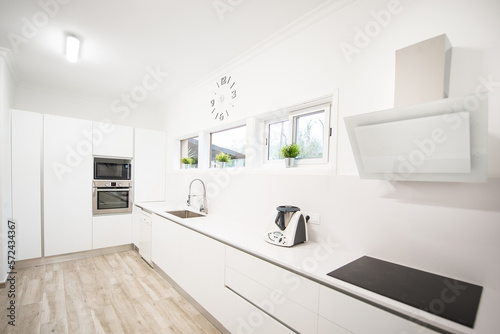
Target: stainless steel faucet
x,y
203,206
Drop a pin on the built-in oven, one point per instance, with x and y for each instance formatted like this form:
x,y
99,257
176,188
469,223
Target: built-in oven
x,y
112,169
109,196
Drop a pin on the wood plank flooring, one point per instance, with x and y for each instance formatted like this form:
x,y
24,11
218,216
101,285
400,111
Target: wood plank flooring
x,y
115,293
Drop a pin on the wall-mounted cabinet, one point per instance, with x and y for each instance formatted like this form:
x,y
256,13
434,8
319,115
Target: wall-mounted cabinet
x,y
149,165
112,140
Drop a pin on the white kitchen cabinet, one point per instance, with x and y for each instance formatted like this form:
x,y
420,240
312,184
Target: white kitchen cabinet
x,y
26,182
328,327
175,251
136,223
280,293
111,230
145,234
359,317
67,185
149,165
112,140
196,263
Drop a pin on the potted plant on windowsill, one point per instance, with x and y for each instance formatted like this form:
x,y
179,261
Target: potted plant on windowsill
x,y
187,162
222,159
289,153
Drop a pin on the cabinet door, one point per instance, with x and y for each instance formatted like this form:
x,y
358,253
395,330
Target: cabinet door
x,y
112,230
26,182
112,140
346,312
163,246
149,165
67,185
176,251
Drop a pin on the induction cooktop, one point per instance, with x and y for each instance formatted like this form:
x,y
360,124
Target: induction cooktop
x,y
451,299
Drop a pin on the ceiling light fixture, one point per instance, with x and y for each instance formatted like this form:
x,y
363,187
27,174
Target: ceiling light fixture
x,y
72,48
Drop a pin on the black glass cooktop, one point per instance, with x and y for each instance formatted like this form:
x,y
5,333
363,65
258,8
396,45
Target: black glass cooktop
x,y
445,297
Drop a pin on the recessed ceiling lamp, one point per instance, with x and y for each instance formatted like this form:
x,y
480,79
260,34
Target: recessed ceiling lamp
x,y
72,48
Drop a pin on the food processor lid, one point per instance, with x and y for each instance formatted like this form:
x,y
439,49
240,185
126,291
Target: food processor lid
x,y
287,208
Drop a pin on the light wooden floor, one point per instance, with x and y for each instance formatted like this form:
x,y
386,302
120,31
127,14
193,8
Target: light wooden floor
x,y
116,293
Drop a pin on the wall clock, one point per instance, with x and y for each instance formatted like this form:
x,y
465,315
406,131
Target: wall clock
x,y
222,103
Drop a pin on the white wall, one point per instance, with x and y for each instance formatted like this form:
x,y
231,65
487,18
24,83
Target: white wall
x,y
6,102
447,228
46,102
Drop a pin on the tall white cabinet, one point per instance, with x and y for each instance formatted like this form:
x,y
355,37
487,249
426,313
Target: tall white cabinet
x,y
149,161
67,185
26,182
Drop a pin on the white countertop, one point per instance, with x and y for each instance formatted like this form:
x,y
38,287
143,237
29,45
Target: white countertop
x,y
314,261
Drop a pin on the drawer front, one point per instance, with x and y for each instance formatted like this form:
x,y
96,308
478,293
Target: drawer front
x,y
294,287
359,317
328,327
272,302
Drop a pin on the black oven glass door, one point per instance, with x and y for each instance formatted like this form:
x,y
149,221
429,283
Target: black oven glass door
x,y
112,201
112,171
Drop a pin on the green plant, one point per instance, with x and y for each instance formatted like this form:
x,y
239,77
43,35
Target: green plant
x,y
187,160
290,151
223,157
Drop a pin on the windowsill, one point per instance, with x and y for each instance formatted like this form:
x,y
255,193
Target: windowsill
x,y
323,169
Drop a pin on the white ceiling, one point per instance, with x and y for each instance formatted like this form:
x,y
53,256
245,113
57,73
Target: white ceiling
x,y
189,39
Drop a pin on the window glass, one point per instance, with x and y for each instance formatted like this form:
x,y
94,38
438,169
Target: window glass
x,y
278,137
189,153
231,142
309,132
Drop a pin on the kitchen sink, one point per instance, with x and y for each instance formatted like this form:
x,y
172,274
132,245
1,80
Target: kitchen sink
x,y
185,214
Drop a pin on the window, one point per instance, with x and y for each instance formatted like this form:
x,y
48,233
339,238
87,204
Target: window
x,y
189,153
309,134
309,128
231,142
279,136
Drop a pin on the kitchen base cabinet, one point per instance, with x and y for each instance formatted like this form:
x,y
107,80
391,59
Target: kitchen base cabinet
x,y
242,317
288,297
328,327
112,230
359,317
26,183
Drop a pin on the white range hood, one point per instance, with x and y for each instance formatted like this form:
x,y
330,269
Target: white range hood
x,y
427,136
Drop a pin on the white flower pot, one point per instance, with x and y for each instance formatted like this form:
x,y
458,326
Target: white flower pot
x,y
289,162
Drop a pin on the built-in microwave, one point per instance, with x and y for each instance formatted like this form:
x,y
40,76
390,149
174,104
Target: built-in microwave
x,y
112,169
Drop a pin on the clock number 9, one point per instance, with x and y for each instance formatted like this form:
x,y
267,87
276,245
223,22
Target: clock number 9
x,y
212,103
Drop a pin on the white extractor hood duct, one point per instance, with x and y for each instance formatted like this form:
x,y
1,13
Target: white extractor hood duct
x,y
423,72
427,136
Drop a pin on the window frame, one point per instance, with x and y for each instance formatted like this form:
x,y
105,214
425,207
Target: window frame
x,y
292,117
234,126
180,150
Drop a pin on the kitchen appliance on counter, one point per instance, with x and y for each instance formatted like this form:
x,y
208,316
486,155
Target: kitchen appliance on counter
x,y
110,196
112,169
292,227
